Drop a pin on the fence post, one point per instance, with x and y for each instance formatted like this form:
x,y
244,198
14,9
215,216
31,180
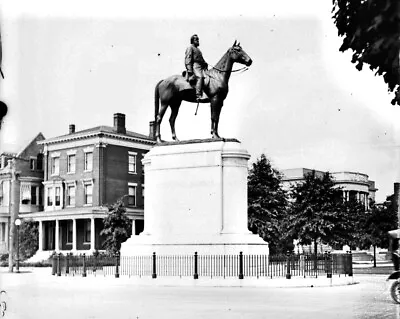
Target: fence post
x,y
303,265
329,270
350,263
196,275
154,274
59,265
67,264
84,266
54,265
241,265
288,275
117,265
95,261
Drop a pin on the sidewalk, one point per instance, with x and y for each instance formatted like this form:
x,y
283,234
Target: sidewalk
x,y
44,275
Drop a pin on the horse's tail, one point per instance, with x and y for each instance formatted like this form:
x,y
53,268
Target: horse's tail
x,y
156,102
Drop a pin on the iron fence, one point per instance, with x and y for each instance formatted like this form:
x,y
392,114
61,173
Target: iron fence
x,y
196,265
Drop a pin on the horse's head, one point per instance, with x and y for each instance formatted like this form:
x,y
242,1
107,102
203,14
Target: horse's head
x,y
239,55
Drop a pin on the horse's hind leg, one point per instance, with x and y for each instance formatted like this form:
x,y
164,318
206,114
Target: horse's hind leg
x,y
160,116
216,107
172,118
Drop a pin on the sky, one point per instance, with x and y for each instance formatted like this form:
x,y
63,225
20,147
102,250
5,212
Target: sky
x,y
302,102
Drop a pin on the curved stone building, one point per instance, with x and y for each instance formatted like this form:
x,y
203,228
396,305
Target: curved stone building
x,y
353,184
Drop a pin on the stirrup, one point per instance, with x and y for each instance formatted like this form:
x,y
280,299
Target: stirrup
x,y
202,98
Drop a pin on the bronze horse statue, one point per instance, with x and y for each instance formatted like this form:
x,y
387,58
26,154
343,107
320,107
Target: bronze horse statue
x,y
175,89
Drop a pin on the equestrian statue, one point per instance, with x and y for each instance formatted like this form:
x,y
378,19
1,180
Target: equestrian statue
x,y
197,85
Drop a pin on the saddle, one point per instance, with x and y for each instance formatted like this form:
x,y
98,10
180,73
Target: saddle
x,y
192,79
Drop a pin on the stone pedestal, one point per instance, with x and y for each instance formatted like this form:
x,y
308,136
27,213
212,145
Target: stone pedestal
x,y
196,200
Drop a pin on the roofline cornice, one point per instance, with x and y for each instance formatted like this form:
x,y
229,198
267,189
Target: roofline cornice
x,y
100,134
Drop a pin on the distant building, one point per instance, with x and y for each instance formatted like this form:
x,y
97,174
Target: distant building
x,y
84,172
355,186
21,188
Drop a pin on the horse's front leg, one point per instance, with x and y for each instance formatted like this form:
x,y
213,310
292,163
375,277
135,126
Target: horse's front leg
x,y
216,106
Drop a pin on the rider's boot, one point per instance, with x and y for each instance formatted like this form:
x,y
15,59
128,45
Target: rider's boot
x,y
200,95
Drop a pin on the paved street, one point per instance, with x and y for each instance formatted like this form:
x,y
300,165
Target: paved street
x,y
37,294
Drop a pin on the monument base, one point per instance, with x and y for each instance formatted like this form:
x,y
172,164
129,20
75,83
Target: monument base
x,y
146,245
196,201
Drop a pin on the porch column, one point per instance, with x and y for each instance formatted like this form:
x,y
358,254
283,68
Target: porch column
x,y
57,243
133,227
92,234
74,235
2,242
40,235
6,236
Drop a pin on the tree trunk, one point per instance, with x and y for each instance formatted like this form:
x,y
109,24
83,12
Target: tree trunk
x,y
374,255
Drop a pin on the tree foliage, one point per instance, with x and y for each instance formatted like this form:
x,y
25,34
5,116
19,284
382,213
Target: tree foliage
x,y
28,238
318,213
371,30
117,227
267,203
376,224
351,228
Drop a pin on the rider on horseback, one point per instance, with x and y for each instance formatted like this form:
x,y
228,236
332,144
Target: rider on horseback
x,y
195,66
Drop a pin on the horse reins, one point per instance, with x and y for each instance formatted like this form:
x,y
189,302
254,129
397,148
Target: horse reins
x,y
243,69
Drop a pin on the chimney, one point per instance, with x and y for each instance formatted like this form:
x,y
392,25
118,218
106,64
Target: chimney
x,y
119,123
152,132
71,128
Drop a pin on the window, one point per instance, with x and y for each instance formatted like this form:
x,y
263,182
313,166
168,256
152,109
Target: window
x,y
71,163
58,196
32,163
88,161
25,193
39,163
132,194
1,193
88,188
3,231
69,232
34,195
50,196
87,231
132,163
71,195
55,166
40,195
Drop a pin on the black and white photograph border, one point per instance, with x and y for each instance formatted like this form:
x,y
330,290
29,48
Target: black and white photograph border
x,y
92,69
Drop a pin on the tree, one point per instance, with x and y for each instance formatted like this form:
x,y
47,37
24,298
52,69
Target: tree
x,y
28,238
117,227
371,29
376,224
351,228
318,213
267,203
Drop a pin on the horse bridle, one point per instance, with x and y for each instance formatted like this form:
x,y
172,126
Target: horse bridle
x,y
245,68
